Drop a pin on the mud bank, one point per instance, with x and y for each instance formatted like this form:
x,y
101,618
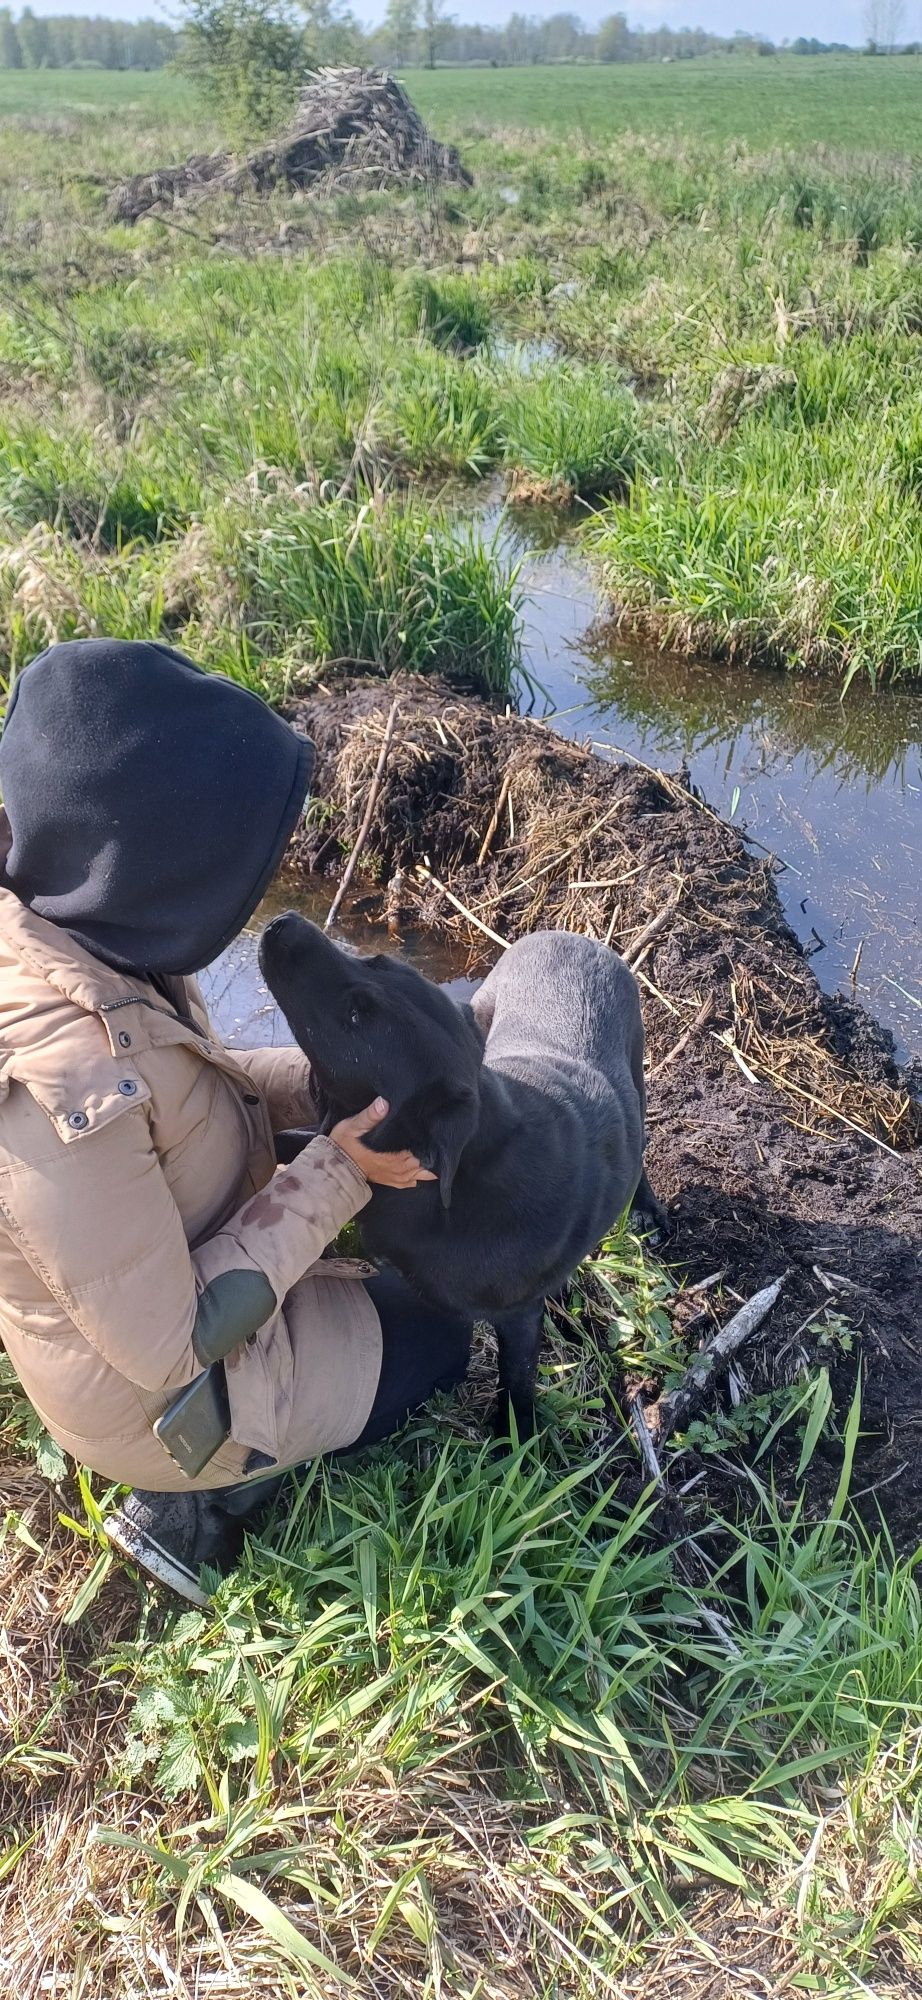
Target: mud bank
x,y
781,1133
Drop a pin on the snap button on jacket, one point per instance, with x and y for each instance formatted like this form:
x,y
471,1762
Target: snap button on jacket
x,y
136,1167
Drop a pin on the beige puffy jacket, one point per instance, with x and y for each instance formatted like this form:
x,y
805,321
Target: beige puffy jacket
x,y
137,1171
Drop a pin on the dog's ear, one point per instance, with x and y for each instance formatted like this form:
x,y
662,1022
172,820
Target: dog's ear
x,y
436,1124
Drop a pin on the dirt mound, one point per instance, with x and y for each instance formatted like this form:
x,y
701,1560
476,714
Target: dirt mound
x,y
353,127
779,1127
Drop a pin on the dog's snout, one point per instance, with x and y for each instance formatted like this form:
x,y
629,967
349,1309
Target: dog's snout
x,y
281,933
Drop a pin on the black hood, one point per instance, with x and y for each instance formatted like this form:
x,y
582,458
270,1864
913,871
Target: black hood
x,y
150,803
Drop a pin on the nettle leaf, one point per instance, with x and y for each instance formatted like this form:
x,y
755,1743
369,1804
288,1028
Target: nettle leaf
x,y
240,1740
179,1767
50,1459
190,1626
153,1710
135,1755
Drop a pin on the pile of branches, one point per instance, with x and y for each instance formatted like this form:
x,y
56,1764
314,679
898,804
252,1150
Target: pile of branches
x,y
490,826
352,127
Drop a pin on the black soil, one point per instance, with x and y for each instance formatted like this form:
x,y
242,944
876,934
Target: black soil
x,y
751,1150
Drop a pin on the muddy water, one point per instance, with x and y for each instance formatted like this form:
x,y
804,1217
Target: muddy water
x,y
238,1000
831,788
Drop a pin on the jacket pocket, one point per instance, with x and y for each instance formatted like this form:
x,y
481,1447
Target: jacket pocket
x,y
260,1377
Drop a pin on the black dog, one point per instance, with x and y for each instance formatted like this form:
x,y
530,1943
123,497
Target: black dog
x,y
528,1105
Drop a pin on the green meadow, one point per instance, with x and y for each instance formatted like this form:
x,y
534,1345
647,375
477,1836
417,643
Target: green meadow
x,y
726,325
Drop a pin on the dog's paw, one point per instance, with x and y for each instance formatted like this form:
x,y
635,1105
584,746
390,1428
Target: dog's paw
x,y
651,1221
511,1424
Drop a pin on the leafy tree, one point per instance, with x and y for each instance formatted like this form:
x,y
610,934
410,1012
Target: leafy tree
x,y
332,32
34,40
248,59
613,40
437,27
10,51
400,25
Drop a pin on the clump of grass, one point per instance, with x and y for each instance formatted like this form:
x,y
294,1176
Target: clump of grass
x,y
438,414
570,432
51,589
101,495
453,310
803,551
380,586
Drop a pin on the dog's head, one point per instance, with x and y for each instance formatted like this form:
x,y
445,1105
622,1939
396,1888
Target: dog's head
x,y
375,1027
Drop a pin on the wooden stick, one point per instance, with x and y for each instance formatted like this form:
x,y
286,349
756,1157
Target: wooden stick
x,y
652,930
490,834
716,1625
426,875
673,1410
703,1016
645,1442
365,827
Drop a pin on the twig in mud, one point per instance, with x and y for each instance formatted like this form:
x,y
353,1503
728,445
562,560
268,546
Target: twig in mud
x,y
652,929
704,1015
365,828
725,1037
490,834
673,1410
657,995
426,875
716,1625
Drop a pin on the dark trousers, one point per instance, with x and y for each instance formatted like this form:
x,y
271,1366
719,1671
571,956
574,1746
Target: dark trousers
x,y
423,1351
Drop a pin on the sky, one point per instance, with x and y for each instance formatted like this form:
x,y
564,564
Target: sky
x,y
830,20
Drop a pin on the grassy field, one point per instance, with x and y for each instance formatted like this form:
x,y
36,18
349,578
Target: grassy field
x,y
827,101
824,101
727,333
460,1727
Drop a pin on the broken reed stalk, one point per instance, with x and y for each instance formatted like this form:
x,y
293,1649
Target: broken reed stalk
x,y
705,1014
426,875
490,834
365,828
651,930
673,1411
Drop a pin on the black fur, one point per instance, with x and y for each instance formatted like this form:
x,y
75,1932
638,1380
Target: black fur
x,y
528,1105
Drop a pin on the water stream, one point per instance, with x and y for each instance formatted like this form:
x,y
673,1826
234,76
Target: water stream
x,y
832,788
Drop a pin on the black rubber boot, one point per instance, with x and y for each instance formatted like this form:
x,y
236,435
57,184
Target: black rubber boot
x,y
173,1536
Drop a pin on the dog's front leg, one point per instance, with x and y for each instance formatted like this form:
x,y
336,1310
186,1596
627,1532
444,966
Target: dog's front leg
x,y
648,1211
518,1339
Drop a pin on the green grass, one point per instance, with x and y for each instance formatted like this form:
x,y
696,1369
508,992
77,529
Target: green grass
x,y
781,101
378,586
573,431
654,258
444,1692
790,101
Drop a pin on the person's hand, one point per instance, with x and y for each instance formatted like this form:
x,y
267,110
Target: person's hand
x,y
394,1170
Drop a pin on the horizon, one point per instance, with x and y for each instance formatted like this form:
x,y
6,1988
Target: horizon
x,y
826,20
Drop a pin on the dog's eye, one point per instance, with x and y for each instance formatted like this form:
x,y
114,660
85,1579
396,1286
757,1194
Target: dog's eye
x,y
353,1018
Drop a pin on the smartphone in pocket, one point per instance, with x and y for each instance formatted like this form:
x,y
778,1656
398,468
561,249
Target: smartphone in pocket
x,y
197,1424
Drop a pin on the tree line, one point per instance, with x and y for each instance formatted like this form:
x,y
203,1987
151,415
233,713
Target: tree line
x,y
73,41
413,32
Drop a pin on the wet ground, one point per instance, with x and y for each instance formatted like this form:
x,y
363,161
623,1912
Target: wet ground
x,y
832,787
